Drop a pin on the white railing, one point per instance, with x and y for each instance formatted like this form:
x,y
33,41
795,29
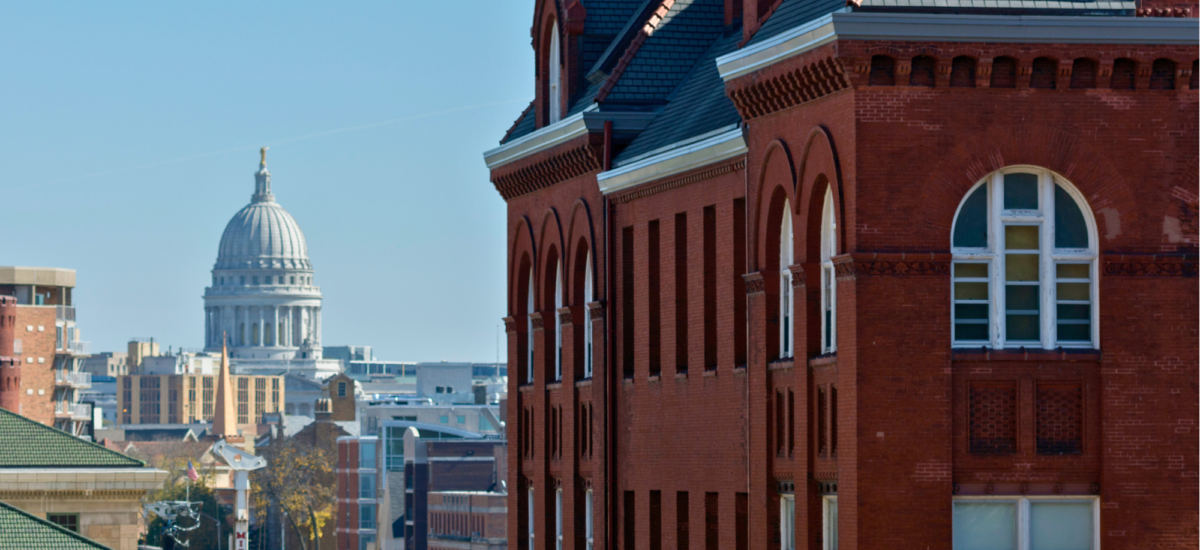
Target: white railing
x,y
79,347
75,379
80,411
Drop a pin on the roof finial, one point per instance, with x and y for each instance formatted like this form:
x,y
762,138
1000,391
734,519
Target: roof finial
x,y
263,152
262,180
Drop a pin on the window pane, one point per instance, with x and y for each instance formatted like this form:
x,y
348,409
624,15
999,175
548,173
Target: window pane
x,y
976,331
970,291
1020,267
1024,327
1021,237
1075,333
1070,231
985,526
970,229
970,270
1074,291
1074,271
1076,312
1020,192
1060,526
970,311
1021,298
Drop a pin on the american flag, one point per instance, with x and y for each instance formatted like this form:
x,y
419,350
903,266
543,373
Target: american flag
x,y
191,472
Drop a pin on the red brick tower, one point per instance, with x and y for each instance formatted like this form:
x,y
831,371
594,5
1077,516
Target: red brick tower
x,y
10,367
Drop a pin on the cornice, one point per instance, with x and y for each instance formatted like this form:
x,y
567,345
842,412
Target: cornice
x,y
735,165
806,83
574,159
710,148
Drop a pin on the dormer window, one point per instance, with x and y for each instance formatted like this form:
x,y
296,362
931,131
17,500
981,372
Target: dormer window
x,y
555,72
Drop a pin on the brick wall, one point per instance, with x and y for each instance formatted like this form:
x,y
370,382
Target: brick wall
x,y
37,375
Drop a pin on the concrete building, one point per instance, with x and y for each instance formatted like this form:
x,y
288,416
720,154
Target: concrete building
x,y
446,382
192,398
467,520
138,350
83,487
481,419
826,274
46,342
262,298
109,363
181,362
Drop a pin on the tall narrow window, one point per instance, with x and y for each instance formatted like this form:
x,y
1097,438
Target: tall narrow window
x,y
712,522
655,520
558,520
1024,263
828,277
588,526
627,314
558,332
655,302
710,288
529,334
555,70
787,522
741,330
682,532
587,316
630,521
786,301
532,526
681,294
829,522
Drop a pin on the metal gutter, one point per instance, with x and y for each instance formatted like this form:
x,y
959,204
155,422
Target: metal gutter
x,y
1030,29
591,119
676,158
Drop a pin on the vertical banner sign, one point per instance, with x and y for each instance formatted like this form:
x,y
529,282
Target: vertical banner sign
x,y
240,539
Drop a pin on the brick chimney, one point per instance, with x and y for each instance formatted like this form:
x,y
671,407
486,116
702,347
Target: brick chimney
x,y
10,365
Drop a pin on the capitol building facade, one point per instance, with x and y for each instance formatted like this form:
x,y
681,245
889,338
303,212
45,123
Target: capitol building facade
x,y
262,301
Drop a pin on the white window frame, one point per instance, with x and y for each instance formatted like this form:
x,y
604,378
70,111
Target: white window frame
x,y
532,528
587,317
828,276
829,529
588,531
555,70
787,302
787,522
1049,258
529,334
558,519
558,332
1023,509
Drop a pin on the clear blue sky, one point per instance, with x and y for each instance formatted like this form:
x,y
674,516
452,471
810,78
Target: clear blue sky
x,y
129,136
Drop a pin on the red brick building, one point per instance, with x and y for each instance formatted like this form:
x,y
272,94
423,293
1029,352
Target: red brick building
x,y
801,274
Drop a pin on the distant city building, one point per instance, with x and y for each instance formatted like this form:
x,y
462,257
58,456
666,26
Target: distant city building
x,y
480,419
45,340
192,398
446,382
262,299
181,363
102,397
109,363
139,350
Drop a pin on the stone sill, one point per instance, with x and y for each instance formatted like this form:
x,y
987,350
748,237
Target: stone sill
x,y
782,364
823,360
1024,354
710,373
586,382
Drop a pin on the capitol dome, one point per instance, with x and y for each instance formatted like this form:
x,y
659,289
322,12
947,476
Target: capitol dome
x,y
263,235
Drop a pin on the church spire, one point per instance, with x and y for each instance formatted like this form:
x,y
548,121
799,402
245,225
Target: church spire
x,y
262,180
224,422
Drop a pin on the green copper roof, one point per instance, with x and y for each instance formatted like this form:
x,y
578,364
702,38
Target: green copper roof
x,y
21,530
28,444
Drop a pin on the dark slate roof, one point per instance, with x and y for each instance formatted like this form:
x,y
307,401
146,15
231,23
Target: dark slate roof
x,y
699,105
667,56
605,19
522,126
586,98
793,13
19,529
28,444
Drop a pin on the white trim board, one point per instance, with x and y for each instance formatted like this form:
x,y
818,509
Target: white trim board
x,y
681,157
1035,29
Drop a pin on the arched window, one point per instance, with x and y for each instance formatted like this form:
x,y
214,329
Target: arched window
x,y
587,316
828,277
1024,245
555,73
529,334
558,332
786,301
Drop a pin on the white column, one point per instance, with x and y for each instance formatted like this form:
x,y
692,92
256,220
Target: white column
x,y
317,328
275,332
245,322
262,335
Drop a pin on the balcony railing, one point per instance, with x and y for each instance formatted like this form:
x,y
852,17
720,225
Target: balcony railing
x,y
73,379
76,411
79,348
64,313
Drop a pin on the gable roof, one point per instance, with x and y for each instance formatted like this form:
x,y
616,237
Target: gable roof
x,y
28,444
793,13
19,529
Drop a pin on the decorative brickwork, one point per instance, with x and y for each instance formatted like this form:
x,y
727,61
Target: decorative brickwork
x,y
754,283
568,164
892,265
1059,419
993,418
738,164
801,85
1149,266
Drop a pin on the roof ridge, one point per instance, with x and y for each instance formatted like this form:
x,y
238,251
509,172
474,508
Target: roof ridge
x,y
655,17
52,525
60,433
518,120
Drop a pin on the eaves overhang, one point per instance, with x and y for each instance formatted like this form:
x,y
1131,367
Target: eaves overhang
x,y
712,147
591,119
929,27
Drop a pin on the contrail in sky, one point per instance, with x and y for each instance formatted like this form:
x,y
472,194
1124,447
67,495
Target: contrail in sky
x,y
287,140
